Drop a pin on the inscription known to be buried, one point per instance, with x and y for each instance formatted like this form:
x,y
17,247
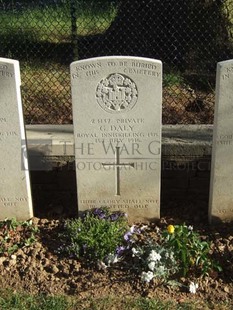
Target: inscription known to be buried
x,y
117,128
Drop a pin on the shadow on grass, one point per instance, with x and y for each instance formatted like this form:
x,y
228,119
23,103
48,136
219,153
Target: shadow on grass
x,y
24,46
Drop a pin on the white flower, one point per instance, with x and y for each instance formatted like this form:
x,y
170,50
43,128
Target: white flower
x,y
135,252
190,227
111,259
102,265
154,256
132,229
171,255
160,270
143,227
151,265
193,287
147,276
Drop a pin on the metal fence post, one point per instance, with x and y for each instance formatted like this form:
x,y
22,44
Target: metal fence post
x,y
74,28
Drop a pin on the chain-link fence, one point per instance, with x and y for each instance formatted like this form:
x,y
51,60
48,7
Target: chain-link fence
x,y
189,36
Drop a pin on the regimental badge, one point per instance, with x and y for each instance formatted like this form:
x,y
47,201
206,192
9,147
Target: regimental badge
x,y
117,93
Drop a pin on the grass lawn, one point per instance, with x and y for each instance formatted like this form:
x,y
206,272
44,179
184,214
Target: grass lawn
x,y
53,23
40,38
18,301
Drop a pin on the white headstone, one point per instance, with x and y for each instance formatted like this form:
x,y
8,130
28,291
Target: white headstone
x,y
117,104
221,185
15,191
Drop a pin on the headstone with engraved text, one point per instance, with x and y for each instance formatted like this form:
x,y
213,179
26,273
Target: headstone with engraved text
x,y
117,128
15,191
221,193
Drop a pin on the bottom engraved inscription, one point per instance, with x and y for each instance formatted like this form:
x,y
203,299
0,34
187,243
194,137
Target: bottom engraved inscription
x,y
12,202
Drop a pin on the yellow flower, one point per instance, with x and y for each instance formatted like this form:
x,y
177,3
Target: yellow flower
x,y
192,261
170,229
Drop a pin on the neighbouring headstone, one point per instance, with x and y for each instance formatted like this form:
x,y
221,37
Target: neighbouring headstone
x,y
221,185
15,191
117,105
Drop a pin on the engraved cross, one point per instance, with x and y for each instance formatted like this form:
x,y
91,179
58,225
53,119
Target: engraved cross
x,y
118,165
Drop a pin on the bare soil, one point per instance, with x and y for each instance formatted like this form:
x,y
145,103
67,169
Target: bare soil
x,y
39,269
182,105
